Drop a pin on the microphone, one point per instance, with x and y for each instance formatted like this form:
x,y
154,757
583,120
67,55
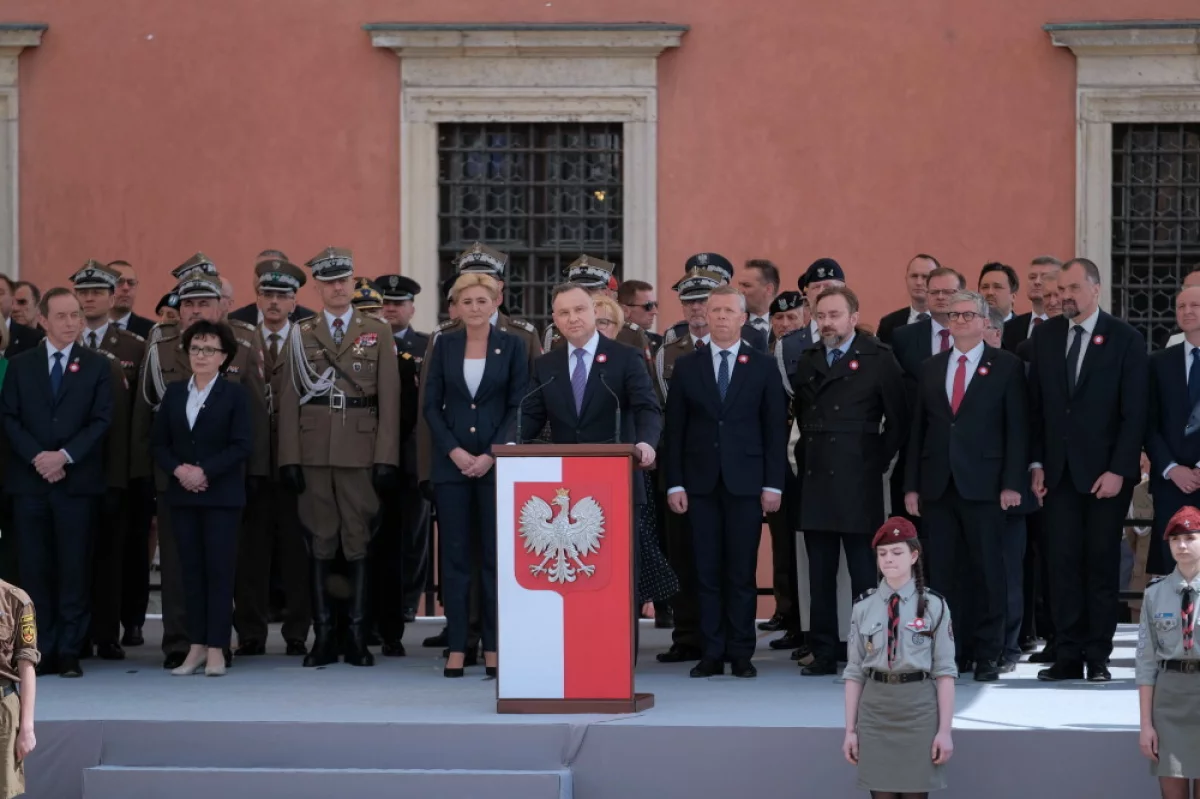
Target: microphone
x,y
617,437
521,406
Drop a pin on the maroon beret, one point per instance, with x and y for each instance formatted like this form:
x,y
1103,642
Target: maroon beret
x,y
894,531
1185,520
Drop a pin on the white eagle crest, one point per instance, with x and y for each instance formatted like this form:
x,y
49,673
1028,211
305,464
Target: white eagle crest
x,y
566,538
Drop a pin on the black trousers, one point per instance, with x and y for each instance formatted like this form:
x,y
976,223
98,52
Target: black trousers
x,y
414,549
135,563
174,608
54,541
1014,546
783,557
394,581
1085,565
824,550
677,543
207,539
270,525
466,519
108,562
725,533
1037,621
966,551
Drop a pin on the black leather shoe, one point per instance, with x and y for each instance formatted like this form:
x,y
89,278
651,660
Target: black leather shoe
x,y
708,668
251,648
69,667
1048,655
772,625
1008,666
986,671
393,648
410,615
434,641
471,658
742,667
664,618
296,648
110,651
678,654
1060,671
453,673
1098,672
133,637
374,639
801,653
174,660
786,641
1028,644
821,667
491,671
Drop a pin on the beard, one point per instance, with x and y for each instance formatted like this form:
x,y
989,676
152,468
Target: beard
x,y
831,340
1070,309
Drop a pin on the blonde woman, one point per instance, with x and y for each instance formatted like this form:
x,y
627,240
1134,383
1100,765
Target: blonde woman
x,y
609,316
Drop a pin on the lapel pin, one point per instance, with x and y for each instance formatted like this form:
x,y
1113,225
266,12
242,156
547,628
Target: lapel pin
x,y
497,350
743,359
1097,340
74,367
854,366
601,358
983,370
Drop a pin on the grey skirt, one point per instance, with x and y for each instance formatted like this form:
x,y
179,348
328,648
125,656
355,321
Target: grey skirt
x,y
1176,718
896,728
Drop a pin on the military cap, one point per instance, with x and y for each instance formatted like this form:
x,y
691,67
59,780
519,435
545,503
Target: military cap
x,y
169,300
589,272
332,263
197,286
712,262
278,275
397,288
786,301
1186,520
95,275
697,284
895,530
821,269
366,297
482,258
197,263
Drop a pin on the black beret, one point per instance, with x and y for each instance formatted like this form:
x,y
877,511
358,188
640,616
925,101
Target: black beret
x,y
822,269
170,300
786,301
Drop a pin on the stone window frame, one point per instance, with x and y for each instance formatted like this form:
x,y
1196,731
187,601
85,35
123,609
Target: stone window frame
x,y
525,73
14,37
1126,72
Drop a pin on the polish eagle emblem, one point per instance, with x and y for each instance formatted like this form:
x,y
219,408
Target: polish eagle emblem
x,y
564,538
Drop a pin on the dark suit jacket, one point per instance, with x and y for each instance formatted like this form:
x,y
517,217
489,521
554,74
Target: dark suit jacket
x,y
738,441
1016,330
1167,414
220,443
889,324
140,325
623,373
249,314
478,423
758,340
76,420
21,338
1101,427
912,346
983,447
791,348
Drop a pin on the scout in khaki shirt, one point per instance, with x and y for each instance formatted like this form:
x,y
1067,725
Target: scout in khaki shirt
x,y
901,643
1168,664
18,657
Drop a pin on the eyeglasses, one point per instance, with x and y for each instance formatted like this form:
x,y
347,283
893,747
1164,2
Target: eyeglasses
x,y
966,316
943,292
131,282
605,323
645,306
207,352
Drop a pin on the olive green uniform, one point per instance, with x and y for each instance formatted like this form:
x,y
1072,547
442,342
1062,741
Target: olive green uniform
x,y
18,641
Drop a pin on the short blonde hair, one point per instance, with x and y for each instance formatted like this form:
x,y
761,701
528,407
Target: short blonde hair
x,y
609,304
471,280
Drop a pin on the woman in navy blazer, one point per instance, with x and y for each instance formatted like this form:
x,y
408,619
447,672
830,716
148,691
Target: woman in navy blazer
x,y
475,380
203,437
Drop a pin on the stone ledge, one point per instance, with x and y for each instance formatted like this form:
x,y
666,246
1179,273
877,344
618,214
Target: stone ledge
x,y
1128,38
525,40
21,34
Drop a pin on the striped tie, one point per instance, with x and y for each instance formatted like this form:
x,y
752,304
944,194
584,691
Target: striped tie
x,y
893,628
1189,619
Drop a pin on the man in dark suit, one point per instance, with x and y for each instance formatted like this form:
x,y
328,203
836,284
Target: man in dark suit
x,y
759,283
1019,328
124,298
1087,385
20,337
729,396
915,275
715,262
914,344
844,389
56,405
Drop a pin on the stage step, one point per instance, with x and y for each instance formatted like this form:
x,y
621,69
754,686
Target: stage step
x,y
126,782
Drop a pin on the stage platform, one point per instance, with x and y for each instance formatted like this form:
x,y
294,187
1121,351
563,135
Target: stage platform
x,y
129,730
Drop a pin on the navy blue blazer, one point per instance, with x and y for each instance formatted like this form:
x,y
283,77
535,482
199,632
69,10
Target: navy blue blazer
x,y
1168,413
76,420
220,443
739,440
455,418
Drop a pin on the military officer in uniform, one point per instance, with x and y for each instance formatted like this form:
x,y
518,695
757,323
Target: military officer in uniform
x,y
820,275
787,313
272,523
339,441
199,292
596,276
715,262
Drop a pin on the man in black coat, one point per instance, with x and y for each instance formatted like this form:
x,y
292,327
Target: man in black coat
x,y
843,392
57,405
966,465
725,460
1019,328
915,275
1087,388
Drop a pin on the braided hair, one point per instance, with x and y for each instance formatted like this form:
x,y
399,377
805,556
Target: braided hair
x,y
918,578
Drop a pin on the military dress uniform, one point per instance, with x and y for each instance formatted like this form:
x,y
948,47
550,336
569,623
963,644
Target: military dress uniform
x,y
897,653
1168,658
719,264
18,642
339,418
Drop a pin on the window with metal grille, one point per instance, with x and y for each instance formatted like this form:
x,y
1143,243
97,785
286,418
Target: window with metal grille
x,y
545,193
1156,222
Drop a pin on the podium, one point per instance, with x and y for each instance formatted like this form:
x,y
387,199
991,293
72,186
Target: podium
x,y
565,541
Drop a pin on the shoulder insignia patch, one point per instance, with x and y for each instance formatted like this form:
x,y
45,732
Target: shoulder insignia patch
x,y
521,323
306,327
241,324
864,595
245,342
443,325
632,326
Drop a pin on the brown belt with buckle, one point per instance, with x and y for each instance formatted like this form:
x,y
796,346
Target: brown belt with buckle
x,y
345,402
898,677
1181,666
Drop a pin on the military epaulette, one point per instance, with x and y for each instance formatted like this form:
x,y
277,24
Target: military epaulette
x,y
864,595
245,342
103,351
521,323
168,336
1157,579
135,335
443,325
241,324
306,327
632,326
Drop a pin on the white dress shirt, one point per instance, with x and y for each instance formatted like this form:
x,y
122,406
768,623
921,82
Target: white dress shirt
x,y
1033,324
760,322
346,317
914,315
589,350
196,399
974,355
814,331
1089,326
99,332
473,373
1175,339
123,322
936,340
705,338
494,318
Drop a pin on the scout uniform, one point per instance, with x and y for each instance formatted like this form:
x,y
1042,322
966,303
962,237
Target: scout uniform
x,y
18,641
596,275
339,445
1168,658
897,653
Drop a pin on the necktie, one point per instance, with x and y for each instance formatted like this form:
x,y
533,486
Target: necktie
x,y
579,379
92,340
1073,359
338,334
56,374
723,374
274,349
960,384
1037,320
944,334
1189,618
759,323
893,628
922,316
834,356
1194,379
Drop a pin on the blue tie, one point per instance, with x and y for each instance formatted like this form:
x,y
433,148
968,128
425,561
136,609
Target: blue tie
x,y
723,374
579,379
1194,379
834,356
56,374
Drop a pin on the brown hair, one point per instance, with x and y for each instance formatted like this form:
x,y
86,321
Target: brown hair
x,y
839,291
945,271
918,577
629,290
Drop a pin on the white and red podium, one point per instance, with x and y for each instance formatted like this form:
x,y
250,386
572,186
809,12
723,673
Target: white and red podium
x,y
564,578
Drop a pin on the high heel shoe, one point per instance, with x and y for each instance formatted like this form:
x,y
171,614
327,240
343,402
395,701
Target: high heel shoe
x,y
187,670
491,671
449,672
215,671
